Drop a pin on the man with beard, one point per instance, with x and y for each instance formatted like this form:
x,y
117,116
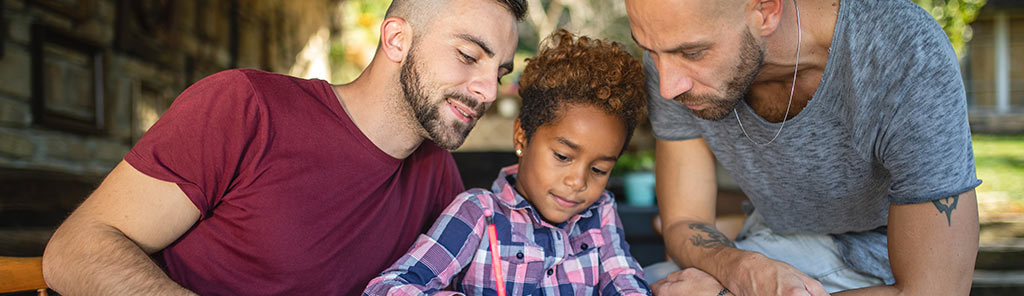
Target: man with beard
x,y
255,183
844,123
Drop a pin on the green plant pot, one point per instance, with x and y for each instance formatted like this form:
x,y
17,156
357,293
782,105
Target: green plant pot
x,y
639,188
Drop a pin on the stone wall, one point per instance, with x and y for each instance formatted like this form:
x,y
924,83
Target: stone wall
x,y
82,80
149,51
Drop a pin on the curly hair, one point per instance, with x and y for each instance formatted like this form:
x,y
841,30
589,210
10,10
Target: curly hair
x,y
581,71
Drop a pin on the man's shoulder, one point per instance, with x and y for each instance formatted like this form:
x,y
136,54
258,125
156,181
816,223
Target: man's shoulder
x,y
254,74
245,75
898,23
257,80
898,46
913,13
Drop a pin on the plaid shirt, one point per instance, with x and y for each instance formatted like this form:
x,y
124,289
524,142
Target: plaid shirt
x,y
537,258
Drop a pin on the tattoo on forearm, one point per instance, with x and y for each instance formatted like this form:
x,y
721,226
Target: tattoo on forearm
x,y
715,238
947,205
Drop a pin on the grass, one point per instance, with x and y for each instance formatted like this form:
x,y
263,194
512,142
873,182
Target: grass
x,y
1000,164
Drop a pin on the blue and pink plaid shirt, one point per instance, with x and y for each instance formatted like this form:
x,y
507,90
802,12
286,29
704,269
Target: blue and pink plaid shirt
x,y
586,255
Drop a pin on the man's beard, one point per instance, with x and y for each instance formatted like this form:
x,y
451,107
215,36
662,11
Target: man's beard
x,y
449,137
751,59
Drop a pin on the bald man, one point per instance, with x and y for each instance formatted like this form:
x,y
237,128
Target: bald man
x,y
255,183
844,123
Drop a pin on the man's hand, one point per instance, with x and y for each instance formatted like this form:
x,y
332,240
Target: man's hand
x,y
690,281
757,274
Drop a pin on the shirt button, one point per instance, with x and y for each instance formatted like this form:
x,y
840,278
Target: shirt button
x,y
519,255
584,246
551,271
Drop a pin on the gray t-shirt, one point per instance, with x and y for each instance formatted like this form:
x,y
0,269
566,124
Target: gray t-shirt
x,y
887,125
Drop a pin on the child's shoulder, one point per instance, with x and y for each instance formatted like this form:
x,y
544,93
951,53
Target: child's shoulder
x,y
475,199
474,195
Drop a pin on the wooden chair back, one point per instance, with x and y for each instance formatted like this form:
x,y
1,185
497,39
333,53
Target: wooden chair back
x,y
19,274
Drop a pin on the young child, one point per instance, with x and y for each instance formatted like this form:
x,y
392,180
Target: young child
x,y
557,229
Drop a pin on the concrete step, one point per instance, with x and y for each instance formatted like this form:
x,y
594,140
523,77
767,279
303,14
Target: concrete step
x,y
998,282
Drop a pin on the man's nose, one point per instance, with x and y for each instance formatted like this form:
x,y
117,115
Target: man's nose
x,y
485,88
673,80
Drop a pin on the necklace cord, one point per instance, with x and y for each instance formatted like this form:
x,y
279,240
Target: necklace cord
x,y
799,39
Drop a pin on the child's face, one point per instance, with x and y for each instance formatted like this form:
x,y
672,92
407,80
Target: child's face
x,y
564,168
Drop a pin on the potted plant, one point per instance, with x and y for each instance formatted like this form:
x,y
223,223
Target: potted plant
x,y
637,169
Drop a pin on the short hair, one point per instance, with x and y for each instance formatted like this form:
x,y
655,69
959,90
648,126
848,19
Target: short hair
x,y
581,71
421,12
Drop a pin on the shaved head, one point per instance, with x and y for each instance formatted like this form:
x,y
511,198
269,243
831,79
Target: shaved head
x,y
723,9
420,13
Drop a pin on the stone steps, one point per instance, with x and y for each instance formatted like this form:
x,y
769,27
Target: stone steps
x,y
998,282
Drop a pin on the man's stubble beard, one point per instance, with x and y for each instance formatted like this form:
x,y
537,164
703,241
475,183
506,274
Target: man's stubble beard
x,y
751,59
426,111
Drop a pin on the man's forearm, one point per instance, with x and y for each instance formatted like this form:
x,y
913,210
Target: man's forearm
x,y
698,244
100,260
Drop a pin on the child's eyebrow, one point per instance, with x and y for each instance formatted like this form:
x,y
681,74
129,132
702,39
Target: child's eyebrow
x,y
571,145
576,147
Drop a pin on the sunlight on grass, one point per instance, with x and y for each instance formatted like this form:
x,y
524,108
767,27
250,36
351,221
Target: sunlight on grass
x,y
1000,164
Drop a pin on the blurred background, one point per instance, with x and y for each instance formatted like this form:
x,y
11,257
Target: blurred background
x,y
82,80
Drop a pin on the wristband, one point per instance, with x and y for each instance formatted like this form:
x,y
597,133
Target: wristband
x,y
723,292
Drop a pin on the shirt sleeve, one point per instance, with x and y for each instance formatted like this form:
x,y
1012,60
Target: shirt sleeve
x,y
620,273
437,256
926,147
670,120
200,142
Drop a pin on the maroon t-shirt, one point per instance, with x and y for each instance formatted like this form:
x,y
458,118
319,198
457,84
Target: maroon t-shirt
x,y
294,198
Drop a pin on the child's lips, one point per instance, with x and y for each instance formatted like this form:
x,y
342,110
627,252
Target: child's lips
x,y
563,202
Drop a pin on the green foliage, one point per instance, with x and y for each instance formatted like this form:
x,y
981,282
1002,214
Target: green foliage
x,y
955,17
360,23
1000,164
634,161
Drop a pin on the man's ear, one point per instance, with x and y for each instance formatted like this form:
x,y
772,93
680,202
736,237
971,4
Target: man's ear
x,y
518,137
395,38
769,14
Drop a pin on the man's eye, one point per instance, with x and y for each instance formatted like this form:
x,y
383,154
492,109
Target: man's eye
x,y
696,55
500,76
599,171
467,58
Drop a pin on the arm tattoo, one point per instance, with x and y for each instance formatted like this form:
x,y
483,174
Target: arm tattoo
x,y
715,237
947,205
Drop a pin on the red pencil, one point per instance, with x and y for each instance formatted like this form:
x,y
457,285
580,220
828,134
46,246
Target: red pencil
x,y
492,237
